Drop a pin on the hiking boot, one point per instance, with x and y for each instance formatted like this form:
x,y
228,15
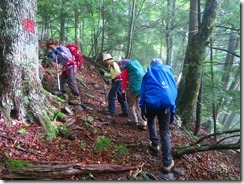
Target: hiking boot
x,y
153,150
75,101
109,113
142,127
168,168
65,96
123,115
130,122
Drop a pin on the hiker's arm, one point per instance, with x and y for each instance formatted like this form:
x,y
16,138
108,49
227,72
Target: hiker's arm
x,y
142,96
114,71
60,53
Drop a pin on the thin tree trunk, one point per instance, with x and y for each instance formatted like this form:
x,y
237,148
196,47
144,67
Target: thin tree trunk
x,y
131,29
212,88
232,46
76,13
195,7
62,22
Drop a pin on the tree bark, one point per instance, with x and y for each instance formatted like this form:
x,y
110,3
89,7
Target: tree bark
x,y
193,63
21,93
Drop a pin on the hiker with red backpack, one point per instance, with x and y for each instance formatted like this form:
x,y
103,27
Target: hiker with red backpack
x,y
115,90
62,55
158,95
132,74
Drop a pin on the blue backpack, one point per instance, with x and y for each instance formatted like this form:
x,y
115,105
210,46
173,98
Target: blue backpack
x,y
159,88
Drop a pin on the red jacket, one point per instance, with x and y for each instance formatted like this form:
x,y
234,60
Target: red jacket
x,y
125,80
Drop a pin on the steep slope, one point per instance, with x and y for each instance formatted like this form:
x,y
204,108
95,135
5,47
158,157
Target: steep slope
x,y
99,139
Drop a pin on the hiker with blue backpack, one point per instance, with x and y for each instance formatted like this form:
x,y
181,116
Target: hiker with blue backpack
x,y
115,90
132,74
158,95
62,55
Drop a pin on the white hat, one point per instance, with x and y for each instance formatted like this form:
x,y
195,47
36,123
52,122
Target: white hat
x,y
106,56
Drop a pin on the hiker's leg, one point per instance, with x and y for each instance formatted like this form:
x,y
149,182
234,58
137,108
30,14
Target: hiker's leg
x,y
123,104
141,122
164,118
131,110
72,82
151,124
112,96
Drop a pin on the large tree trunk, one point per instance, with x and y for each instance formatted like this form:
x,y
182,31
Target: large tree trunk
x,y
194,58
21,92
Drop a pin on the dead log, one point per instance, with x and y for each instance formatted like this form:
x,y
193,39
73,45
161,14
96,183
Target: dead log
x,y
53,171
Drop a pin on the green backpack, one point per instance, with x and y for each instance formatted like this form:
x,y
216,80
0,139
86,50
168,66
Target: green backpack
x,y
136,73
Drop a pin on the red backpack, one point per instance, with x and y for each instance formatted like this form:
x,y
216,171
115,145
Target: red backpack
x,y
75,51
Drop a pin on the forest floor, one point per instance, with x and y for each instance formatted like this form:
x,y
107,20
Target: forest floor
x,y
102,147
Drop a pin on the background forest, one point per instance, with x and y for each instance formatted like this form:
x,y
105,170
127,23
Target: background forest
x,y
144,30
200,39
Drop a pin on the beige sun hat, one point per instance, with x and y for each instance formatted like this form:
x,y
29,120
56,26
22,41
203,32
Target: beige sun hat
x,y
107,56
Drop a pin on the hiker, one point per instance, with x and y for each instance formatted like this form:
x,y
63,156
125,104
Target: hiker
x,y
61,54
158,95
132,74
115,90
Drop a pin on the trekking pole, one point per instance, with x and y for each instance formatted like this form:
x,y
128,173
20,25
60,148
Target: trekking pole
x,y
57,73
105,94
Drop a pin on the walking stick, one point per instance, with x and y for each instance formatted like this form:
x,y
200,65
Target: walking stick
x,y
57,73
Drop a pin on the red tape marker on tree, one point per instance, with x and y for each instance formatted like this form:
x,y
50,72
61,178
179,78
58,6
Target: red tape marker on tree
x,y
28,25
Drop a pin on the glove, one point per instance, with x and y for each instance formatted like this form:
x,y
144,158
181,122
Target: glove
x,y
124,97
143,114
50,54
101,72
172,118
56,51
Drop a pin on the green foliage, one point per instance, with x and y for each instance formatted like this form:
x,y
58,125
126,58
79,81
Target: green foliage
x,y
63,131
51,136
122,149
89,125
18,164
18,146
190,133
26,100
102,143
22,131
82,144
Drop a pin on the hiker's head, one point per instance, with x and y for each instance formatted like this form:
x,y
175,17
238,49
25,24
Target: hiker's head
x,y
51,44
123,63
156,61
107,58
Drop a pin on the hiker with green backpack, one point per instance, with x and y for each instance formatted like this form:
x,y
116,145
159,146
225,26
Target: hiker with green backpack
x,y
132,74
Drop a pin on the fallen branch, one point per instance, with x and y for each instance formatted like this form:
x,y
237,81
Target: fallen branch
x,y
194,149
52,171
